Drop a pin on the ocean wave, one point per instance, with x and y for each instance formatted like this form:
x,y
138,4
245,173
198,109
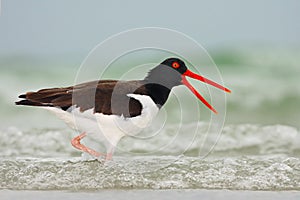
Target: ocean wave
x,y
237,173
241,139
249,139
251,157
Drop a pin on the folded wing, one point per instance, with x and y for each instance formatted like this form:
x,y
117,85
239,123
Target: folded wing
x,y
104,96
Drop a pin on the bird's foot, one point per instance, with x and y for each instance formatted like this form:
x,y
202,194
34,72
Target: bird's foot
x,y
76,143
108,157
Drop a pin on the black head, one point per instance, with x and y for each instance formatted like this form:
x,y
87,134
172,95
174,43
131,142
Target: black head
x,y
175,64
170,73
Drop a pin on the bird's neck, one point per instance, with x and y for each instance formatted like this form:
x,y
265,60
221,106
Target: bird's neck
x,y
158,93
159,83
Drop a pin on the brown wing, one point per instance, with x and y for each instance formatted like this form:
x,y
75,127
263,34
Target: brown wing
x,y
104,96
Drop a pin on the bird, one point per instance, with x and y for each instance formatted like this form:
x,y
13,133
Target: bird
x,y
108,110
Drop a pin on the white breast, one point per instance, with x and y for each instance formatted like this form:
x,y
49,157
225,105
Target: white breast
x,y
109,129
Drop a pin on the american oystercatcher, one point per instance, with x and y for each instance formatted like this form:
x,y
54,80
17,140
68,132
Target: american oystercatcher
x,y
108,110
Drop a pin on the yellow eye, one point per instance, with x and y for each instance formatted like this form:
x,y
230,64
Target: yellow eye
x,y
175,65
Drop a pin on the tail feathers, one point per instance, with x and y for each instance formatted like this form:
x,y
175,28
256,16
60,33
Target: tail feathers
x,y
52,97
44,97
22,96
32,103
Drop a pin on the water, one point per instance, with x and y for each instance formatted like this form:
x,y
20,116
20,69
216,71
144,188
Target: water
x,y
247,157
242,173
258,149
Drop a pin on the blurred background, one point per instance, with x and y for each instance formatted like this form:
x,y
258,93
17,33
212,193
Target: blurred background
x,y
255,44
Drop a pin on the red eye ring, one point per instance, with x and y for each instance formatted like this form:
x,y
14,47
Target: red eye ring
x,y
175,65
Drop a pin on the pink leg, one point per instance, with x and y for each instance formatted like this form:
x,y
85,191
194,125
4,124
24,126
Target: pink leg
x,y
109,153
76,143
108,157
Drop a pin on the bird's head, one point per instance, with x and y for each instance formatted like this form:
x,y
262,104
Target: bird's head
x,y
173,71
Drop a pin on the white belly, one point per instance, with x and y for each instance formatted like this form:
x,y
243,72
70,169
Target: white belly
x,y
108,129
